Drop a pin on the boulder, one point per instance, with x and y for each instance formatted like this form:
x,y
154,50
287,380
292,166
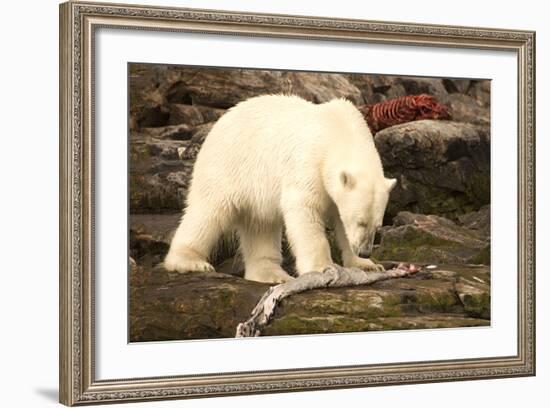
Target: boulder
x,y
479,221
222,88
417,86
199,305
431,239
169,132
466,109
146,101
160,227
192,115
164,188
172,306
481,91
152,115
441,167
456,85
161,165
320,88
377,88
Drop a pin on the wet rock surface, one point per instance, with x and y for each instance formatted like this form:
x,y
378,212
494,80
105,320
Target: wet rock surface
x,y
198,305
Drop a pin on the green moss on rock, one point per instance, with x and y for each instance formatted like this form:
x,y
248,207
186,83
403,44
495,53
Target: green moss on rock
x,y
475,298
430,239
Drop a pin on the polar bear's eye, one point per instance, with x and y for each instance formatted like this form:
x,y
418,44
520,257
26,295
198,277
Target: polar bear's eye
x,y
362,224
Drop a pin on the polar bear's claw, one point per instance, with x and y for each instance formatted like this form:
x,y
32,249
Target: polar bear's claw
x,y
365,264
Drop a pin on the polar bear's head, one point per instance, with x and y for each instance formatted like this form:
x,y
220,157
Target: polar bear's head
x,y
361,204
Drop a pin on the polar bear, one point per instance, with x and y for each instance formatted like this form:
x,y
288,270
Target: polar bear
x,y
277,161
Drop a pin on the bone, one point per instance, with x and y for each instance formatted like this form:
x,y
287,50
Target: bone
x,y
334,276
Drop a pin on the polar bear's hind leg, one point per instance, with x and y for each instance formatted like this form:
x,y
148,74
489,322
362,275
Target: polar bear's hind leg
x,y
193,241
261,250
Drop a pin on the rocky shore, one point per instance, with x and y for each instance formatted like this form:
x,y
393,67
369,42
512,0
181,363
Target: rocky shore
x,y
439,212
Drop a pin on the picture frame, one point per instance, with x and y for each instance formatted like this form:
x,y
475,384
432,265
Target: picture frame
x,y
79,22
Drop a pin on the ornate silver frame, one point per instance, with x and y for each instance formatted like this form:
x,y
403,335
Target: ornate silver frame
x,y
78,21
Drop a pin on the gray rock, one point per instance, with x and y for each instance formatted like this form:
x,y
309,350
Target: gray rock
x,y
146,101
164,188
172,306
478,89
475,298
479,221
377,88
172,132
143,244
457,85
193,115
161,165
442,167
160,227
464,108
481,91
224,88
152,115
431,239
417,86
158,149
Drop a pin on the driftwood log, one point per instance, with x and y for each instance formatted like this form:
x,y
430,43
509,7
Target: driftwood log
x,y
332,277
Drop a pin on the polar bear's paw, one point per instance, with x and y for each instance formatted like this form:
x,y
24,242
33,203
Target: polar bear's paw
x,y
183,264
364,264
268,275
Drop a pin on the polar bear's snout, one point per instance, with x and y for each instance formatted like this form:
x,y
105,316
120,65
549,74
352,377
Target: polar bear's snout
x,y
361,241
365,250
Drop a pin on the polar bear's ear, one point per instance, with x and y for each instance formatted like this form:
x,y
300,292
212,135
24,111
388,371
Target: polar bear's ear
x,y
347,180
390,183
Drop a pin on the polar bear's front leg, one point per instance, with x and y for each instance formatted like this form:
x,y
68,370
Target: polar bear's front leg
x,y
261,249
305,231
349,258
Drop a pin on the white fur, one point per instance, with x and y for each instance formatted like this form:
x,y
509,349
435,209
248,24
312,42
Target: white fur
x,y
279,160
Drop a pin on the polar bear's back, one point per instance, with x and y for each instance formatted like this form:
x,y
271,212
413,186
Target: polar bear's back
x,y
267,141
255,140
263,123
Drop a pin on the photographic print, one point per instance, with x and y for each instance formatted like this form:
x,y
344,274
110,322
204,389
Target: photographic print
x,y
272,202
315,184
